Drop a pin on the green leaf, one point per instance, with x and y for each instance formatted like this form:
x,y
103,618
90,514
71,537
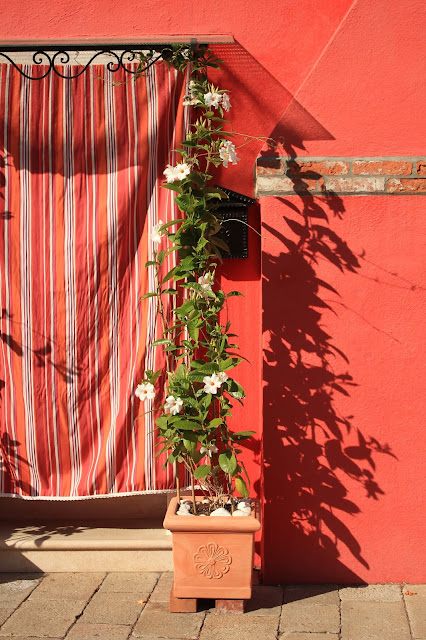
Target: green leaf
x,y
192,285
160,257
148,295
171,222
208,367
191,437
242,435
234,293
236,391
229,363
172,457
197,456
193,331
220,243
216,192
194,376
157,343
228,462
174,247
241,487
150,263
202,471
181,372
153,377
215,422
206,401
186,425
189,445
161,422
172,292
171,186
170,274
185,308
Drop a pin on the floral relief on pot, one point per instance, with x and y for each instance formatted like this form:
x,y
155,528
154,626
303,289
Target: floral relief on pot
x,y
212,560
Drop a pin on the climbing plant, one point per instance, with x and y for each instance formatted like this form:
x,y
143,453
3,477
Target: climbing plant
x,y
200,348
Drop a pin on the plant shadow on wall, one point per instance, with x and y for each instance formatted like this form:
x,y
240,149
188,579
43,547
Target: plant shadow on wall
x,y
11,449
310,461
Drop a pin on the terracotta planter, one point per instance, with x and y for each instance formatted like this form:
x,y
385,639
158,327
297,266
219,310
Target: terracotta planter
x,y
213,557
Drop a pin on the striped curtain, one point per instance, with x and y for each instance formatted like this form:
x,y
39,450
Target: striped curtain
x,y
81,168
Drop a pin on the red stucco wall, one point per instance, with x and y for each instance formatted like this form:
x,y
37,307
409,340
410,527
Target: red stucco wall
x,y
342,79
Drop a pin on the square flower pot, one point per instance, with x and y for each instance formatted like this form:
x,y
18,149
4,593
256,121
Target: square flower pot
x,y
212,556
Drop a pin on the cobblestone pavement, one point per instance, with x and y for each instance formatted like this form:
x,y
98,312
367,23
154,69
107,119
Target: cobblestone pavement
x,y
117,606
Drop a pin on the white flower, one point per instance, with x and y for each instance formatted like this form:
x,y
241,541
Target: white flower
x,y
211,383
206,281
156,234
173,405
210,450
223,377
212,99
170,173
226,103
228,154
145,391
179,172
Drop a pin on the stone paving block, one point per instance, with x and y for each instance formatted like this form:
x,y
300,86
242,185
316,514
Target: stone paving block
x,y
157,621
230,606
232,627
374,621
308,636
304,616
113,608
372,592
6,610
72,586
417,589
52,618
415,601
265,601
314,594
15,588
84,631
140,583
161,592
6,578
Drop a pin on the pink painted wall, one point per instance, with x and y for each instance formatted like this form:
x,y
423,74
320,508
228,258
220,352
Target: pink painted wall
x,y
341,78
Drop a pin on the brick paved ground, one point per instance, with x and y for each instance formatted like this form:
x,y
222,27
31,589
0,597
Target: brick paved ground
x,y
117,606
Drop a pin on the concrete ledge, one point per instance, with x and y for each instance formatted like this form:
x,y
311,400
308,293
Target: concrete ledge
x,y
85,561
85,548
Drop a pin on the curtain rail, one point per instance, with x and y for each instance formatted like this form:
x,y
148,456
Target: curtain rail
x,y
93,44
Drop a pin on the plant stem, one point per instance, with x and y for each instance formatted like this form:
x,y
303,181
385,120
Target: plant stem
x,y
178,486
193,494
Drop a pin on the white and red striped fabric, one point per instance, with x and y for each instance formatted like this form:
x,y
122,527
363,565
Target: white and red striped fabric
x,y
82,162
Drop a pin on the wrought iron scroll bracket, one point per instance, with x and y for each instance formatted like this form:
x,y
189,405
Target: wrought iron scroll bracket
x,y
55,55
56,60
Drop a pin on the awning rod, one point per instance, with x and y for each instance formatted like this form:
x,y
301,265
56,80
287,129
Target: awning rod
x,y
93,44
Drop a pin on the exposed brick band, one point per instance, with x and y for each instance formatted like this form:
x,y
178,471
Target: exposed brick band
x,y
342,176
